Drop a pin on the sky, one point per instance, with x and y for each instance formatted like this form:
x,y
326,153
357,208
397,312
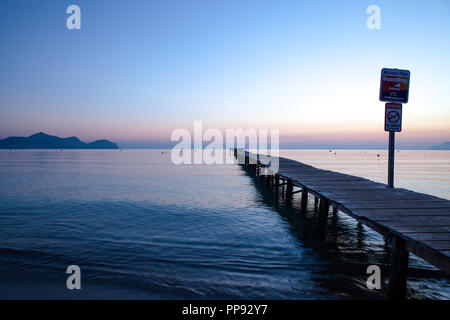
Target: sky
x,y
138,70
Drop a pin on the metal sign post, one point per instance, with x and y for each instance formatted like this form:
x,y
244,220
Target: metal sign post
x,y
393,124
394,87
391,159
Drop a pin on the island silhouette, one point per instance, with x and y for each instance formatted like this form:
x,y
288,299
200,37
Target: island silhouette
x,y
44,141
444,146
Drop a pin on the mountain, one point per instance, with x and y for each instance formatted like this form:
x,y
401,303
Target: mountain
x,y
102,144
444,146
44,141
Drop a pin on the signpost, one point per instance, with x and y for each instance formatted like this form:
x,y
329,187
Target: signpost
x,y
394,87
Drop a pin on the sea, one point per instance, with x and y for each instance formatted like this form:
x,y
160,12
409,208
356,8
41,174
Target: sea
x,y
140,227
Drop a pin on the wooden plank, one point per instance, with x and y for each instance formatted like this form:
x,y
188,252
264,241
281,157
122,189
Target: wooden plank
x,y
395,217
443,245
360,205
401,212
330,186
422,229
394,199
364,196
429,236
393,224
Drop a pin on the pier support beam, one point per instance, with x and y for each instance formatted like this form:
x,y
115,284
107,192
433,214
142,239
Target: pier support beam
x,y
304,201
324,207
289,189
262,173
399,269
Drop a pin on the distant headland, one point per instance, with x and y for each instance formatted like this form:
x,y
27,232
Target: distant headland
x,y
44,141
444,146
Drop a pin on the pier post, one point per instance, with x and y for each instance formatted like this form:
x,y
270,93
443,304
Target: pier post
x,y
316,202
324,207
289,189
304,201
399,269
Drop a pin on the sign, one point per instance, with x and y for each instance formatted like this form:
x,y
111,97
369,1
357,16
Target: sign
x,y
394,85
393,117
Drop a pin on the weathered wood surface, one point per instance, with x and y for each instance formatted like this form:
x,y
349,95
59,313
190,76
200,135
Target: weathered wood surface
x,y
422,221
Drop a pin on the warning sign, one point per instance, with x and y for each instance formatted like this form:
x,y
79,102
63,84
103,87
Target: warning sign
x,y
394,85
393,117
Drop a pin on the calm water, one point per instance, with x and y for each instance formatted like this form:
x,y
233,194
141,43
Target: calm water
x,y
140,227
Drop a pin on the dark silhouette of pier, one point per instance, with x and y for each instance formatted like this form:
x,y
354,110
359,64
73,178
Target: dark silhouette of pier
x,y
411,221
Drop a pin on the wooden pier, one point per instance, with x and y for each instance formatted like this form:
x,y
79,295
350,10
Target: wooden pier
x,y
413,222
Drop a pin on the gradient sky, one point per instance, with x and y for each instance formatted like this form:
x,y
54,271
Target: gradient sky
x,y
137,70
